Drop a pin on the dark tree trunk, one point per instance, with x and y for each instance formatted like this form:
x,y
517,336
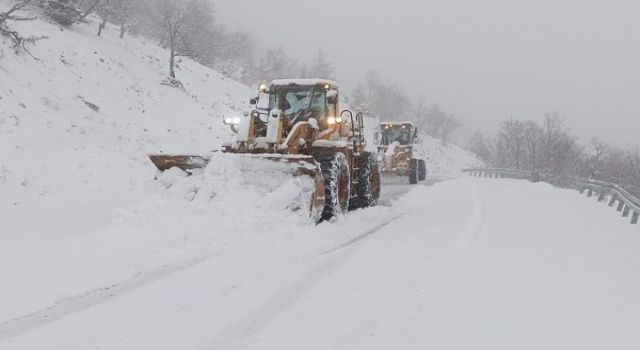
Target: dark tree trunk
x,y
122,29
89,11
172,62
102,25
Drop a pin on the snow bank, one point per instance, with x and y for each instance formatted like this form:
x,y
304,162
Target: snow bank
x,y
444,162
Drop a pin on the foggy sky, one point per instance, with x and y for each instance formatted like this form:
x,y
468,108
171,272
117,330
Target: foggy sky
x,y
483,60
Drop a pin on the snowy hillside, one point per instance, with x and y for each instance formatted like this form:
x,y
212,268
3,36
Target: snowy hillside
x,y
77,123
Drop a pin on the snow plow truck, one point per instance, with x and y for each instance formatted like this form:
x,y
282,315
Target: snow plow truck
x,y
298,124
395,142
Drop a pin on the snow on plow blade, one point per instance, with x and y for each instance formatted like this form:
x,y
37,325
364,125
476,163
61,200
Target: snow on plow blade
x,y
261,168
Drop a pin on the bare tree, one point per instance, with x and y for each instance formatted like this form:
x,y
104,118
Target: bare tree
x,y
595,161
63,12
15,14
185,27
321,68
479,145
120,12
275,64
449,124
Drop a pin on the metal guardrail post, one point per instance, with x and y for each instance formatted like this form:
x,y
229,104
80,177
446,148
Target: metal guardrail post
x,y
634,219
613,200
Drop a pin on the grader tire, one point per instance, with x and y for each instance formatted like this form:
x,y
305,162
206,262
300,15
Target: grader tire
x,y
337,184
422,170
413,171
376,180
364,196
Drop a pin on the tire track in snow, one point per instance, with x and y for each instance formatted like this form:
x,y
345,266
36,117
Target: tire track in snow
x,y
321,265
361,236
469,234
69,306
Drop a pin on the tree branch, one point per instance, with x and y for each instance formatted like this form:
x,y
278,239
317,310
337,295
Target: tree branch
x,y
19,41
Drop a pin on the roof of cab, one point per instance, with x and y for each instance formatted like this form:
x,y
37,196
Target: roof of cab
x,y
304,82
397,123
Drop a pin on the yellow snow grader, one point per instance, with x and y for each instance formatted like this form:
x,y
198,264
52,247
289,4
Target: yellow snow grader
x,y
297,123
395,142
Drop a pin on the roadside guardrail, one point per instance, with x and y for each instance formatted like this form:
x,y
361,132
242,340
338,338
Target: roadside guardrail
x,y
616,195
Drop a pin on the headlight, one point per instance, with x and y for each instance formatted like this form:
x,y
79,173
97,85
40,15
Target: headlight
x,y
331,120
339,120
236,121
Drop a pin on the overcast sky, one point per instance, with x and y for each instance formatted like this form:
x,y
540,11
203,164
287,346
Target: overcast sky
x,y
483,60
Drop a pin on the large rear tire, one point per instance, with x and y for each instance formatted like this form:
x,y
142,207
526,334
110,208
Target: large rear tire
x,y
368,186
376,180
422,170
337,184
413,171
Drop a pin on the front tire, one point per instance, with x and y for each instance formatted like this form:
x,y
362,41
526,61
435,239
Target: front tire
x,y
422,170
413,171
368,186
337,185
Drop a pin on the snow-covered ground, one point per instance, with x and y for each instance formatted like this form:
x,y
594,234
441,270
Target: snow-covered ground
x,y
465,264
95,253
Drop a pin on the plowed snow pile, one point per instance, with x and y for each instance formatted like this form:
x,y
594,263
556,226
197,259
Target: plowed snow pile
x,y
444,162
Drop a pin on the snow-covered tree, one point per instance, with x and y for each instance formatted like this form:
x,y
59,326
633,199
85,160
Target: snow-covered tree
x,y
479,145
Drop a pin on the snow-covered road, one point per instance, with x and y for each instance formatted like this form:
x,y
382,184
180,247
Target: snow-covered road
x,y
463,264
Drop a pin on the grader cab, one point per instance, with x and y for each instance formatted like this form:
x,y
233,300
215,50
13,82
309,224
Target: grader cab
x,y
298,122
395,142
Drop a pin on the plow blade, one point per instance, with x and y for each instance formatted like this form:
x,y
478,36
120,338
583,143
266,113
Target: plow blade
x,y
185,162
262,168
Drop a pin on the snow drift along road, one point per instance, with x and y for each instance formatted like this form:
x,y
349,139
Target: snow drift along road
x,y
472,263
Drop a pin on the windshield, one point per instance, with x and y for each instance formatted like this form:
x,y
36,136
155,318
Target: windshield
x,y
295,101
396,133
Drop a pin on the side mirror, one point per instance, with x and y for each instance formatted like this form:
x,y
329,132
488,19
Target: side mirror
x,y
345,116
254,101
378,137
